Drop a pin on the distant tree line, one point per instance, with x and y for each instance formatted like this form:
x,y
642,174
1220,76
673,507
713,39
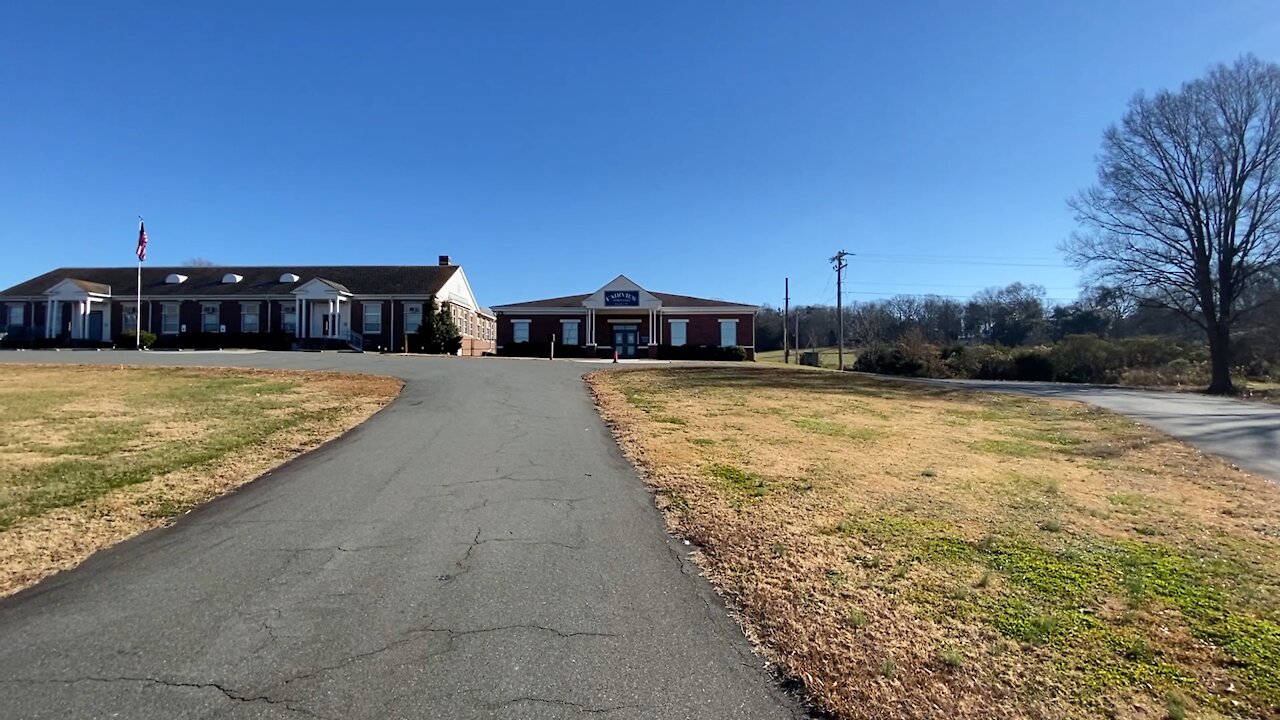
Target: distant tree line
x,y
1014,316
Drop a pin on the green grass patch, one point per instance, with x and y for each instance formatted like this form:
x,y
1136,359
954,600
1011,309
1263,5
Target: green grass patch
x,y
835,429
1010,448
739,481
640,398
101,454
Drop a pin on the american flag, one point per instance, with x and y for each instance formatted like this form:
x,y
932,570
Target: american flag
x,y
142,241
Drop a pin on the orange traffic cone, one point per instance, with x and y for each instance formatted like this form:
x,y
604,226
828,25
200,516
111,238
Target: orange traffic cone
x,y
615,356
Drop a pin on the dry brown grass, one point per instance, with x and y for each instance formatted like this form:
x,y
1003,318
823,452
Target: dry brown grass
x,y
909,551
92,455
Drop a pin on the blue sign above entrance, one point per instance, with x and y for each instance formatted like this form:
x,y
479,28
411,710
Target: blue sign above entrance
x,y
622,298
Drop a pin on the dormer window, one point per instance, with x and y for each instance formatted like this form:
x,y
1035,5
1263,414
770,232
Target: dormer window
x,y
289,278
175,279
231,279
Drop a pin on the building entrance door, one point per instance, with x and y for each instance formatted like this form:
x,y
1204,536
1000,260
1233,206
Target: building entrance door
x,y
625,340
95,325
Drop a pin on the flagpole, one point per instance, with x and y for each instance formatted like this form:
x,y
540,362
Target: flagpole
x,y
137,309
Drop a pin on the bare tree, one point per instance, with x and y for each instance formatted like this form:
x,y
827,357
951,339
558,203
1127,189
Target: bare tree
x,y
200,262
1186,209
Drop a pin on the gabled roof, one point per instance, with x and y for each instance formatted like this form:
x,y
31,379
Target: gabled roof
x,y
91,287
327,283
668,300
410,280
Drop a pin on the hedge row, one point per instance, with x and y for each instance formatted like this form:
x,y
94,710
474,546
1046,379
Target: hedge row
x,y
1077,358
275,340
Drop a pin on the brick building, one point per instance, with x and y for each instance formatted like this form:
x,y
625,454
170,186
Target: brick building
x,y
625,317
362,306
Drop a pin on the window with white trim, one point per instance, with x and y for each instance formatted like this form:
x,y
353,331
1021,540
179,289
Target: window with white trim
x,y
15,316
210,317
372,317
170,320
679,332
519,331
289,318
412,317
129,316
249,316
728,333
568,332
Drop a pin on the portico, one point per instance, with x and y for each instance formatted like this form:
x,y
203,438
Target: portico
x,y
623,316
78,309
323,310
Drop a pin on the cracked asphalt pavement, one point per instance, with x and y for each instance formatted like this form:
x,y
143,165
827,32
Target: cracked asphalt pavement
x,y
479,549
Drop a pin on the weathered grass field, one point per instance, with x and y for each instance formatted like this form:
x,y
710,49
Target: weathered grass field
x,y
91,455
911,552
826,355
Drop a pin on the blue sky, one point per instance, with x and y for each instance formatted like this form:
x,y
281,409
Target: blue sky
x,y
706,148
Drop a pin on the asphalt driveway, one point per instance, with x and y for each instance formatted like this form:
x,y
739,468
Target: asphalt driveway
x,y
1246,433
479,549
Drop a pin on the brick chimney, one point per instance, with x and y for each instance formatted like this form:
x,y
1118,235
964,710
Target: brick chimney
x,y
444,261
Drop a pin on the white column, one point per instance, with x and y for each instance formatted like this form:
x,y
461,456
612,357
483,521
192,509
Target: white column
x,y
333,320
48,318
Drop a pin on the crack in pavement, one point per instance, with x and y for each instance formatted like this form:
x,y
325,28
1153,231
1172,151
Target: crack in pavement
x,y
463,567
577,707
451,634
516,626
747,657
525,541
568,501
227,692
500,478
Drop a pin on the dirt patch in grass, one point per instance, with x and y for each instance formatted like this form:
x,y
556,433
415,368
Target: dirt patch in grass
x,y
963,554
93,455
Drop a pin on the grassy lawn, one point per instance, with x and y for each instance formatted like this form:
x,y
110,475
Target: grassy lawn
x,y
92,455
911,551
826,355
1264,391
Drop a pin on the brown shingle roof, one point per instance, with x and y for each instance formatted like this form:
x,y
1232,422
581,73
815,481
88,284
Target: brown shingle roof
x,y
556,302
668,299
689,301
264,280
92,287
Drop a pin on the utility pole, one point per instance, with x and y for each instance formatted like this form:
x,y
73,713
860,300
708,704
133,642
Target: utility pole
x,y
840,264
797,337
786,312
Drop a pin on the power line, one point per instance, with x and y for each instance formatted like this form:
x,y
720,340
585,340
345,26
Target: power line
x,y
964,261
940,295
940,285
998,258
